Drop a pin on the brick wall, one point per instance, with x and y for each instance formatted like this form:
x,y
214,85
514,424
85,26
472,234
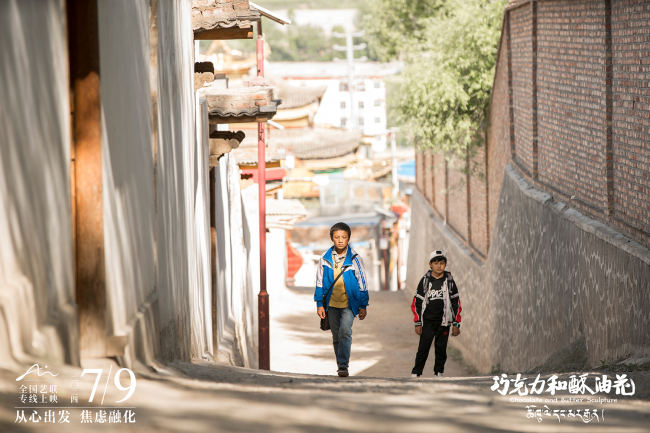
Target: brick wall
x,y
498,133
477,201
570,108
440,179
571,98
428,176
630,21
419,170
521,61
457,217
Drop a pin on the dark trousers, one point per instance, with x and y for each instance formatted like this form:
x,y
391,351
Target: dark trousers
x,y
432,332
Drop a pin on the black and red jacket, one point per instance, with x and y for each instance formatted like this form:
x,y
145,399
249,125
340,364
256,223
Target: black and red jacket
x,y
451,300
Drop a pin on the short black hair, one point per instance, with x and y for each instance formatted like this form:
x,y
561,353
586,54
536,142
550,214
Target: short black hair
x,y
340,226
437,259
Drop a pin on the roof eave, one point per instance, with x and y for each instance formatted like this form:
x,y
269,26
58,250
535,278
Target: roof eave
x,y
270,15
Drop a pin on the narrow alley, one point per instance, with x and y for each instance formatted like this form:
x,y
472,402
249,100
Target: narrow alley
x,y
384,342
180,178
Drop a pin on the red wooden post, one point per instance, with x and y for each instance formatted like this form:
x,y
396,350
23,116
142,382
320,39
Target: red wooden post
x,y
263,297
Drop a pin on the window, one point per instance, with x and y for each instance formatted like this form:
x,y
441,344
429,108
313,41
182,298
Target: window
x,y
361,104
360,121
361,87
377,102
344,121
343,87
377,120
342,105
377,85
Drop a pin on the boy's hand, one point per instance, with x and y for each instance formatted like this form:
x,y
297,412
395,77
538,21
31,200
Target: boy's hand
x,y
418,330
362,313
321,312
455,331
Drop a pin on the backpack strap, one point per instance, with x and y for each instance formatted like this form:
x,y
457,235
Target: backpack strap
x,y
331,287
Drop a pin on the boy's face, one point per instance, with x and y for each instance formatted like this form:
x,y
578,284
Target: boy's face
x,y
438,266
340,239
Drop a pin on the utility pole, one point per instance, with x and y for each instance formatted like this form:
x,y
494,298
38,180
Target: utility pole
x,y
263,297
349,49
393,148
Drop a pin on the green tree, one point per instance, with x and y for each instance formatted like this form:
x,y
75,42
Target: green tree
x,y
292,43
442,96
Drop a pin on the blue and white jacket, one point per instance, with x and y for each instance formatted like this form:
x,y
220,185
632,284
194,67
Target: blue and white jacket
x,y
354,277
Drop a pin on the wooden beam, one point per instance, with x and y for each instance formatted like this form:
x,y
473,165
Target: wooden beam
x,y
241,119
83,40
221,33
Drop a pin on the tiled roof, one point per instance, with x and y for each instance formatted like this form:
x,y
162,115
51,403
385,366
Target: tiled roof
x,y
244,101
285,207
298,96
284,214
315,143
210,14
328,164
248,155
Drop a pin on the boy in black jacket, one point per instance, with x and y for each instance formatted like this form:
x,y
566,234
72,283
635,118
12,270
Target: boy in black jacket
x,y
436,310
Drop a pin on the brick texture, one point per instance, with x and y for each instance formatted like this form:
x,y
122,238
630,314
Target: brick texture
x,y
522,91
498,134
440,179
419,170
209,13
477,202
457,198
428,176
631,115
571,98
588,64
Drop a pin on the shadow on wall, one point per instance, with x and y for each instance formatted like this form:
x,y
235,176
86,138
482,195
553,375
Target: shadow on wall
x,y
128,174
175,176
552,277
236,323
38,316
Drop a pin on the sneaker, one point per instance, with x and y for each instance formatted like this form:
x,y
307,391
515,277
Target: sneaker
x,y
438,375
415,375
343,372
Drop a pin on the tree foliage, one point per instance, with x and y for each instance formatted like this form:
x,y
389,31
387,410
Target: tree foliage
x,y
297,43
449,49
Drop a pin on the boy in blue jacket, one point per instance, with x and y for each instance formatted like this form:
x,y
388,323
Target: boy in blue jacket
x,y
347,297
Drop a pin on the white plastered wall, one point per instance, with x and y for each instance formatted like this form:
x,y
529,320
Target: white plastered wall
x,y
128,167
236,287
38,317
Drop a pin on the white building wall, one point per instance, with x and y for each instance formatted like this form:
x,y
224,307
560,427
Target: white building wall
x,y
155,185
38,315
237,245
176,176
128,166
335,108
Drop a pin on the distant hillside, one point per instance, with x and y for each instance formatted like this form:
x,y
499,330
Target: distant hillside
x,y
309,4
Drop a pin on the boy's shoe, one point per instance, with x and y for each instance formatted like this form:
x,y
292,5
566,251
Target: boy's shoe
x,y
343,372
438,375
415,375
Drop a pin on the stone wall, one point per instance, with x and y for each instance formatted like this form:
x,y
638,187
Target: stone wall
x,y
553,277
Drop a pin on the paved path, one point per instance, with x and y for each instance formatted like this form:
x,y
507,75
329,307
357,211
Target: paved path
x,y
203,397
380,397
